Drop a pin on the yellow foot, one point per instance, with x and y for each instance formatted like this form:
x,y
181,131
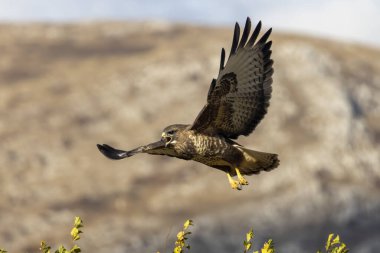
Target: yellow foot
x,y
234,184
242,180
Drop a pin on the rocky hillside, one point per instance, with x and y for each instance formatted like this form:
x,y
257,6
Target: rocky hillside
x,y
64,88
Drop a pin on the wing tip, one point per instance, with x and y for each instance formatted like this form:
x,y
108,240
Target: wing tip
x,y
222,59
111,153
247,30
235,39
238,42
265,37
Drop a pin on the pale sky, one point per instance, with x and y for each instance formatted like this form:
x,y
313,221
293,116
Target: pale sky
x,y
350,20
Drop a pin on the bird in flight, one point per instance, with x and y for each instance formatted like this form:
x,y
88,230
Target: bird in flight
x,y
236,102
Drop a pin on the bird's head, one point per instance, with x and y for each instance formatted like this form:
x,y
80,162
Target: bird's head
x,y
169,134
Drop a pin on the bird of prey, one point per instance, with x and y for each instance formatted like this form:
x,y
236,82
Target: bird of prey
x,y
236,102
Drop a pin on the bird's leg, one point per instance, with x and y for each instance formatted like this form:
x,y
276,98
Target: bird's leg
x,y
242,180
234,184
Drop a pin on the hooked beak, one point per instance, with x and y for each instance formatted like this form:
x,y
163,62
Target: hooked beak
x,y
167,139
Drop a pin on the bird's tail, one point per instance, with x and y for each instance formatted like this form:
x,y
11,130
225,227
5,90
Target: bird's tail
x,y
256,161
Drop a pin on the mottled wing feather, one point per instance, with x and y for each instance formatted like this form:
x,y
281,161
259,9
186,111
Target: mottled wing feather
x,y
156,148
239,98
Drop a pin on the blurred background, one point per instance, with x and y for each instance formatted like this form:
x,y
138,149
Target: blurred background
x,y
74,74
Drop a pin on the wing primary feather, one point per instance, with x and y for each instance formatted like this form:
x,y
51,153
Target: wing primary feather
x,y
265,37
268,64
244,37
222,58
235,39
268,54
269,72
266,47
155,148
212,86
115,154
254,35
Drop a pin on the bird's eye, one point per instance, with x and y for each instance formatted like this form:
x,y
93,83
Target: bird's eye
x,y
171,132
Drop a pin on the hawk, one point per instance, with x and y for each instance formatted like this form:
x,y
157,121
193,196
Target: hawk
x,y
236,102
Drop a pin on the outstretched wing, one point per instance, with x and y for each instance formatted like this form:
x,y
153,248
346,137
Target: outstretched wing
x,y
238,100
156,148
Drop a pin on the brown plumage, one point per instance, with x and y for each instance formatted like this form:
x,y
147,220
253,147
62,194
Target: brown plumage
x,y
237,101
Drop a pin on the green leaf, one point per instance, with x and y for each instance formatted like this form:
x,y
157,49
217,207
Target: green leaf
x,y
75,249
328,242
248,246
75,234
61,249
78,223
180,235
250,235
334,245
342,248
177,249
336,240
268,247
44,247
187,224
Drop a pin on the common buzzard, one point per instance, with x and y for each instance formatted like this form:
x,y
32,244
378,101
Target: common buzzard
x,y
237,101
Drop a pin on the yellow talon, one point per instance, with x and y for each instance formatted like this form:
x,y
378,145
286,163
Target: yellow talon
x,y
234,184
242,180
